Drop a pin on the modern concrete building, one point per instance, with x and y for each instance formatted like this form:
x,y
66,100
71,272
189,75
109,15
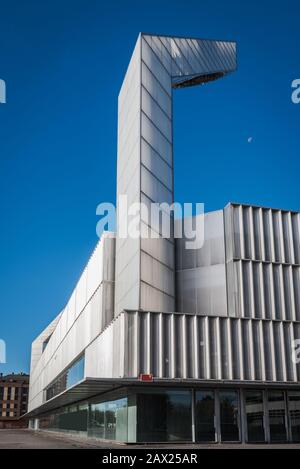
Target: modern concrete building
x,y
163,343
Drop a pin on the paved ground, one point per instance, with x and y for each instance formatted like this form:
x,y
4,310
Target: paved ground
x,y
27,439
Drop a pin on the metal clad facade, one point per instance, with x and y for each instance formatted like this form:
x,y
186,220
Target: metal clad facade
x,y
145,267
259,249
248,338
201,273
88,311
210,348
228,311
263,262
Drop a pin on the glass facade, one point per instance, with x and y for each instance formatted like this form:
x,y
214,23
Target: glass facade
x,y
69,419
167,415
277,416
108,420
254,408
205,416
229,416
294,411
164,416
71,376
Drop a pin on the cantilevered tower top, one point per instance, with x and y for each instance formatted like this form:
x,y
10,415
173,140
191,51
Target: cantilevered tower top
x,y
192,61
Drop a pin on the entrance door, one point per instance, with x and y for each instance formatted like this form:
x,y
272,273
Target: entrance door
x,y
205,416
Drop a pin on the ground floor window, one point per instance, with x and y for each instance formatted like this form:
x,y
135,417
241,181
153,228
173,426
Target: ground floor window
x,y
294,410
108,420
205,416
229,416
160,414
277,416
164,416
72,418
254,409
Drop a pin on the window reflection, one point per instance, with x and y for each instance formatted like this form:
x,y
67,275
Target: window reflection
x,y
72,418
108,420
277,416
71,376
164,416
294,409
205,416
255,416
229,414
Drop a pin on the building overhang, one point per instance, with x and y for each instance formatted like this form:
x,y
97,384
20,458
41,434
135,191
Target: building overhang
x,y
92,387
198,79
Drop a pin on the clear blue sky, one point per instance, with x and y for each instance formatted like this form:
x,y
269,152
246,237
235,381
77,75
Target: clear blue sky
x,y
63,62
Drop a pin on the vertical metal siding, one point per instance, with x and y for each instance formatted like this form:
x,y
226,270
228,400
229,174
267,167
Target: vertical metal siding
x,y
262,262
208,348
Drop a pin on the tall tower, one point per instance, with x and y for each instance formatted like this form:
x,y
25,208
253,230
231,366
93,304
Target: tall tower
x,y
145,267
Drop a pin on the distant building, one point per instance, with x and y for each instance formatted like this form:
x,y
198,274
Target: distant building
x,y
13,399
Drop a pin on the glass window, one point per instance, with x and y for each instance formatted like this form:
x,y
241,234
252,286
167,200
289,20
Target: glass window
x,y
108,420
97,420
205,416
164,416
74,419
75,373
276,406
255,416
71,376
294,410
229,416
45,343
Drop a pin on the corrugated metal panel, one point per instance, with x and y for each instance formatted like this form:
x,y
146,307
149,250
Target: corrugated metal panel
x,y
194,347
262,234
262,262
